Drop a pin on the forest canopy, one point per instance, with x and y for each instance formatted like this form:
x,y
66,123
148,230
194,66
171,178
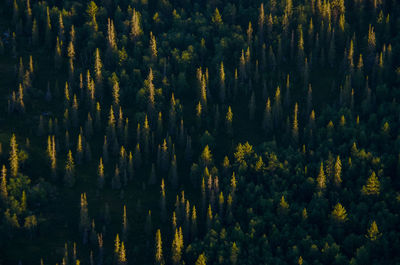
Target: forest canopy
x,y
199,132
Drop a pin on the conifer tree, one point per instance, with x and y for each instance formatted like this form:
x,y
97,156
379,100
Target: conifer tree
x,y
79,150
136,30
125,225
206,157
158,249
234,254
209,217
71,56
100,173
84,223
222,92
3,184
98,66
371,39
228,120
153,46
373,232
372,187
92,10
338,172
177,247
115,93
151,92
201,260
163,202
295,129
14,160
69,179
193,229
321,179
339,213
48,28
122,255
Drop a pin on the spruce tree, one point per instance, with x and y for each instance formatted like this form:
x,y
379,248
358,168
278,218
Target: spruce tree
x,y
339,213
373,232
14,160
372,187
69,177
321,179
201,260
159,259
3,184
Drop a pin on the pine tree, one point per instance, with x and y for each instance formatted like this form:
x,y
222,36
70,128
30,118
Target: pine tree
x,y
98,66
295,129
136,30
125,225
151,92
153,46
206,157
372,187
339,213
222,83
3,184
193,229
338,172
115,93
321,179
261,22
201,260
79,150
117,246
228,120
216,18
111,35
371,39
69,179
84,223
122,255
92,11
158,249
373,232
177,247
48,28
14,160
163,202
71,56
234,253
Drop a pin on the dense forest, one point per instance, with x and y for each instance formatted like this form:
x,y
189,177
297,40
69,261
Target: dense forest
x,y
199,132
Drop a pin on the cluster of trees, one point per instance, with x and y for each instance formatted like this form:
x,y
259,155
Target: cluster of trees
x,y
226,132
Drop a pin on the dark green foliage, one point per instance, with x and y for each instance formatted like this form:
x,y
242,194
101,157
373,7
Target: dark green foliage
x,y
272,129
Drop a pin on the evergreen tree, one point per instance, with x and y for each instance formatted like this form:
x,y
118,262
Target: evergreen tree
x,y
295,129
92,10
177,247
84,223
14,160
69,179
234,253
373,232
136,30
159,254
3,184
321,179
338,172
228,120
339,213
122,255
201,260
372,187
